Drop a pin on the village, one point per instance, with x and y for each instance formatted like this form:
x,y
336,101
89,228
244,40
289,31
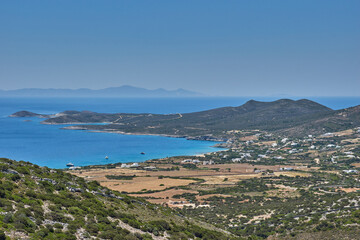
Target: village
x,y
249,154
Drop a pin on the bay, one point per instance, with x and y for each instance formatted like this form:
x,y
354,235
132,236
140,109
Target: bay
x,y
48,145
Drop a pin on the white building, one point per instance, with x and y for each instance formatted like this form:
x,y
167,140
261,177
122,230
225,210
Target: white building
x,y
134,165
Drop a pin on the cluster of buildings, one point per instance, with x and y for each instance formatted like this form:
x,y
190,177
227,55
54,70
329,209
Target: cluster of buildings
x,y
197,161
133,165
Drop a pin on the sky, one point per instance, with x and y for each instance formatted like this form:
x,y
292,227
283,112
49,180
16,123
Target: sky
x,y
223,48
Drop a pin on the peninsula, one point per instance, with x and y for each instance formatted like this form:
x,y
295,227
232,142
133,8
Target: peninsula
x,y
284,117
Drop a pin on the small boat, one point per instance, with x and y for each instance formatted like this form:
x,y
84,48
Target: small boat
x,y
142,153
70,164
106,157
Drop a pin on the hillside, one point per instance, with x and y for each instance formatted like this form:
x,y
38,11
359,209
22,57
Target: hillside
x,y
42,203
299,117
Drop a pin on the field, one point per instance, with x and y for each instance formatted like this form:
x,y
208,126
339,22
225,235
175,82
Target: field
x,y
138,183
161,186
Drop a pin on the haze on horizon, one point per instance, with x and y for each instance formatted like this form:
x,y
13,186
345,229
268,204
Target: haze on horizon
x,y
232,48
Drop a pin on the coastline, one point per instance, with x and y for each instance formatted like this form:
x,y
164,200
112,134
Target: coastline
x,y
100,146
217,145
199,138
146,134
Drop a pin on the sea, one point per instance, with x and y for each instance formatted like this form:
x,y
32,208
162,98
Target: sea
x,y
27,139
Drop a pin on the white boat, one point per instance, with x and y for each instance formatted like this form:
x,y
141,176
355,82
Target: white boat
x,y
70,164
106,157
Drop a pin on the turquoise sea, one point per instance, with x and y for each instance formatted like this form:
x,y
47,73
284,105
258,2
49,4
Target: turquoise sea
x,y
48,145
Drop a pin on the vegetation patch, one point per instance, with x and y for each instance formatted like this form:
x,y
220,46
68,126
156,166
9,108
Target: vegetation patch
x,y
120,177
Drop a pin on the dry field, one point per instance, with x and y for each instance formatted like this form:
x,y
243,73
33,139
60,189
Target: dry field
x,y
144,183
249,138
222,175
351,140
228,179
344,133
356,165
135,185
349,190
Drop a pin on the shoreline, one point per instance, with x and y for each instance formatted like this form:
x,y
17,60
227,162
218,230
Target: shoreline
x,y
218,146
212,146
145,134
143,162
196,138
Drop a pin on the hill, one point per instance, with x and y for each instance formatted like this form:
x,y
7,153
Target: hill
x,y
284,116
123,91
42,203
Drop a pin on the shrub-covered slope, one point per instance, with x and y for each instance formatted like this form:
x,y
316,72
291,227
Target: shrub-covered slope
x,y
42,203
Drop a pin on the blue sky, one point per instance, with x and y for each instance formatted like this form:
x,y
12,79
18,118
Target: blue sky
x,y
235,48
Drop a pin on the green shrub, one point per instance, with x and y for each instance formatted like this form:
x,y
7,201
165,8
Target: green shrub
x,y
2,235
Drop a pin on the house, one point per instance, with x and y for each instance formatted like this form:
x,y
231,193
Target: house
x,y
236,160
124,165
293,151
208,162
73,168
134,165
350,171
286,169
150,168
186,161
245,154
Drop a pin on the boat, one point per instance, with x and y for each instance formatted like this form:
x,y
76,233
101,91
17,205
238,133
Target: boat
x,y
70,164
106,157
142,153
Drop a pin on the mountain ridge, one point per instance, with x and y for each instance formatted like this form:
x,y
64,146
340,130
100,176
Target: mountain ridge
x,y
301,117
122,91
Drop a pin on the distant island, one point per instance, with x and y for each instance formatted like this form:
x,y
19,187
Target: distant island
x,y
284,116
123,91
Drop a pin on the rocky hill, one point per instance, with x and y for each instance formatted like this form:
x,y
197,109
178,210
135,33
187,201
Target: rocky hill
x,y
293,118
42,203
